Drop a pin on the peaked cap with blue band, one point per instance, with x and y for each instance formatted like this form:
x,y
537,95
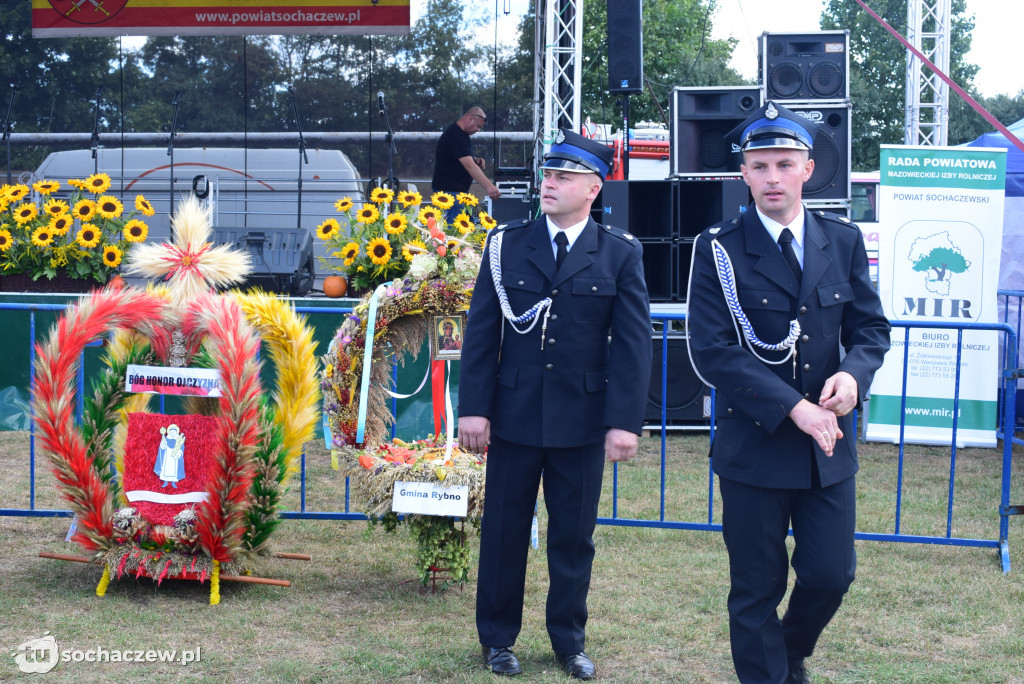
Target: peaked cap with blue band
x,y
774,126
572,152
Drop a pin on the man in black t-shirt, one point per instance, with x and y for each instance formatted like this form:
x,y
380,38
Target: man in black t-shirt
x,y
455,167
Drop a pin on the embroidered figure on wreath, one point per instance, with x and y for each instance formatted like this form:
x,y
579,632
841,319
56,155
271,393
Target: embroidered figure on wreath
x,y
170,457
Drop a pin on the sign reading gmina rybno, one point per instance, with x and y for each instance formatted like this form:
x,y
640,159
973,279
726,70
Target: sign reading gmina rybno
x,y
93,18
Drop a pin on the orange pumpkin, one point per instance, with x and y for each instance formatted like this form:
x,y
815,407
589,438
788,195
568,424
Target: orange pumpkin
x,y
335,286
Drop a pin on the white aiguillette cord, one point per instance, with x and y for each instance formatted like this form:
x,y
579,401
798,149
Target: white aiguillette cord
x,y
727,278
531,314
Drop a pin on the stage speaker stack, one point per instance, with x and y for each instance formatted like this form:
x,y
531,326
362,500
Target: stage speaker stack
x,y
809,73
687,400
700,119
282,258
625,47
666,216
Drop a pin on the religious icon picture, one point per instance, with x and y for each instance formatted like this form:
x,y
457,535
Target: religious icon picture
x,y
446,336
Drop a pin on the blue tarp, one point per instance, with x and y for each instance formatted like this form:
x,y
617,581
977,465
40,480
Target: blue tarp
x,y
1014,157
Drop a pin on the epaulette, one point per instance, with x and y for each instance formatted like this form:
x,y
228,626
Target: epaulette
x,y
512,225
619,233
728,224
835,218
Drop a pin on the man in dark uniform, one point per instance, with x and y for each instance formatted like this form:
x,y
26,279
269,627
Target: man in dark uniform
x,y
555,363
784,322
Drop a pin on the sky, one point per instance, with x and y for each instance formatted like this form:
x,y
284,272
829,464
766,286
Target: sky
x,y
997,47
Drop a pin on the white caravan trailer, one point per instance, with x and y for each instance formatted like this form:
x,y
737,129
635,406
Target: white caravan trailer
x,y
255,192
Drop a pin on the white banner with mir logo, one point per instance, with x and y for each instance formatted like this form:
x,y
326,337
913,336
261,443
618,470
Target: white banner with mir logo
x,y
938,261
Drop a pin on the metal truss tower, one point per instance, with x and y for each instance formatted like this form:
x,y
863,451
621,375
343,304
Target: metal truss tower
x,y
929,29
557,70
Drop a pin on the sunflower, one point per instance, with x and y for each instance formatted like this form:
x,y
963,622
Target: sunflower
x,y
463,223
6,239
77,183
45,187
16,192
382,195
395,224
466,199
442,200
379,251
410,199
25,212
97,183
368,214
327,229
412,248
486,220
143,205
84,209
428,212
349,253
109,206
42,236
88,236
112,256
56,207
135,231
453,246
60,225
344,204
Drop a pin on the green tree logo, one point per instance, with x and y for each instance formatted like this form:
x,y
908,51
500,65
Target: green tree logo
x,y
938,258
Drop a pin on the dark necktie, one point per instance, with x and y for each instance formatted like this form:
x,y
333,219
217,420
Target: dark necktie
x,y
563,248
786,242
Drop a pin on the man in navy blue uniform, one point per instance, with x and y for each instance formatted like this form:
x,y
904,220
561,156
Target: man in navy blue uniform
x,y
784,322
555,367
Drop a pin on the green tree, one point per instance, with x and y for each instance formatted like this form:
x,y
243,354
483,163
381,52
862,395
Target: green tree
x,y
941,260
58,81
678,51
878,72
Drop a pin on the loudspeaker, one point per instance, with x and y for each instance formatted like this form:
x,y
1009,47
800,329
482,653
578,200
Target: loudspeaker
x,y
659,258
625,47
805,66
643,208
282,258
831,153
511,207
700,119
687,399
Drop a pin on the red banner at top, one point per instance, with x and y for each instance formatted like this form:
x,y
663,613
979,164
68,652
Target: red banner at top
x,y
91,18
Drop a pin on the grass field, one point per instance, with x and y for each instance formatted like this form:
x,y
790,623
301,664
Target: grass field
x,y
917,612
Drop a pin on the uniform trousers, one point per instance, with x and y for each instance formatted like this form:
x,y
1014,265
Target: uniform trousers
x,y
572,490
755,524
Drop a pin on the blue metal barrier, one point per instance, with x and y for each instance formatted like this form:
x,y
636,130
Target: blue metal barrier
x,y
1010,374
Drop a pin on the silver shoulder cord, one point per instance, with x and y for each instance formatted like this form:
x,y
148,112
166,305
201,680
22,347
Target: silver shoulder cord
x,y
726,276
532,314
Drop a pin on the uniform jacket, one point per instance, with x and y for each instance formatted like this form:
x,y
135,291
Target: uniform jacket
x,y
582,382
842,329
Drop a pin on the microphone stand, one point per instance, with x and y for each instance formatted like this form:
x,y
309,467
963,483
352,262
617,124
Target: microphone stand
x,y
170,153
95,140
5,131
302,157
390,138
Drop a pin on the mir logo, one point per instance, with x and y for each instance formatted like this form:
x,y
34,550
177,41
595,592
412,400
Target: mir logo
x,y
624,83
37,656
941,308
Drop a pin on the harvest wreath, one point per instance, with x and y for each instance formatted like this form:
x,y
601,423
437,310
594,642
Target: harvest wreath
x,y
243,449
397,316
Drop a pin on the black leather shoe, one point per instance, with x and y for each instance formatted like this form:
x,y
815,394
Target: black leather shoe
x,y
501,661
797,673
577,665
